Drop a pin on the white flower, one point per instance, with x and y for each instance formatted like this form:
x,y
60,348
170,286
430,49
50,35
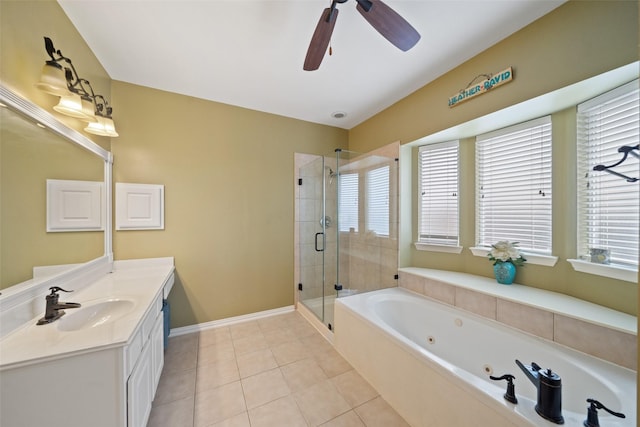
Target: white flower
x,y
504,251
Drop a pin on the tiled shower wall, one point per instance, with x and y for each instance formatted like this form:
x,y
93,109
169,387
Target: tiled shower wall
x,y
367,261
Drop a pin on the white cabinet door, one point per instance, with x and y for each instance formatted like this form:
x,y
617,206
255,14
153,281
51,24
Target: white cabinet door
x,y
140,390
157,350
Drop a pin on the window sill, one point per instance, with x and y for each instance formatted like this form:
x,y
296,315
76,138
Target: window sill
x,y
546,260
438,248
607,270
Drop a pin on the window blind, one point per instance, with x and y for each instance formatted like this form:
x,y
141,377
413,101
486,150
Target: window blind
x,y
608,205
438,190
513,196
348,201
378,201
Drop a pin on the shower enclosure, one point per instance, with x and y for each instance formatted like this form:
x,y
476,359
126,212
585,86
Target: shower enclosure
x,y
347,219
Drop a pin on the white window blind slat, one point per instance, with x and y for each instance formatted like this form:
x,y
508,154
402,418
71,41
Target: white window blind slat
x,y
438,188
608,205
378,200
348,203
513,197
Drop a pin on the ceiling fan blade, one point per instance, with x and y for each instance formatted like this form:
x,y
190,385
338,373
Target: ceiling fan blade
x,y
389,24
320,39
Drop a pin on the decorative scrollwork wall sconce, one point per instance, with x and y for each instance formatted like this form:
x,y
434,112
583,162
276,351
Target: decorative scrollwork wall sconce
x,y
77,98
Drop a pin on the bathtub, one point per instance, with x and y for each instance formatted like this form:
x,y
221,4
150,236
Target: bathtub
x,y
432,363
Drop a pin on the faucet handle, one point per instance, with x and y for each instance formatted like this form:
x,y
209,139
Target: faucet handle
x,y
510,395
55,289
507,377
592,413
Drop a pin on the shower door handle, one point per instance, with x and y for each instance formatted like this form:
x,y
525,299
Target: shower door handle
x,y
319,250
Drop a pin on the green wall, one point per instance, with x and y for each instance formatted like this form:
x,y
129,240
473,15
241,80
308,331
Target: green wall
x,y
578,40
25,167
229,197
573,43
228,171
24,24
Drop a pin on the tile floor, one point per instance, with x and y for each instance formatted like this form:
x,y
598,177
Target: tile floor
x,y
277,371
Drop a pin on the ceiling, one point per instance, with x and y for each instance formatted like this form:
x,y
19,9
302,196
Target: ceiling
x,y
250,53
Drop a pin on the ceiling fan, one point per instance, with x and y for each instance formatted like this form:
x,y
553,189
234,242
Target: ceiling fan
x,y
385,20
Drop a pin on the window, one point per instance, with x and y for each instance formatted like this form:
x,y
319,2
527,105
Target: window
x,y
438,190
378,201
513,197
608,205
348,202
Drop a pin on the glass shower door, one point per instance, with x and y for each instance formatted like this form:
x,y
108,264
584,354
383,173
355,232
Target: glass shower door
x,y
348,228
312,234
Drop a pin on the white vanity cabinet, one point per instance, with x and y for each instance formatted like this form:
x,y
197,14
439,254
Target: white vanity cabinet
x,y
146,367
108,381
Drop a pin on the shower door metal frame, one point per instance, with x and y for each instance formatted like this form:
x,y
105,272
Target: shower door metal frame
x,y
319,242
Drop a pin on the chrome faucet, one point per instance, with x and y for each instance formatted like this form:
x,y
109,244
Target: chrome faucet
x,y
549,386
55,309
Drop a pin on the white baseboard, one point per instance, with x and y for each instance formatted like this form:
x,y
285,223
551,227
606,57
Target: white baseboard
x,y
230,321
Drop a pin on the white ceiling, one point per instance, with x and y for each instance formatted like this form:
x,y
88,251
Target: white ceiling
x,y
249,53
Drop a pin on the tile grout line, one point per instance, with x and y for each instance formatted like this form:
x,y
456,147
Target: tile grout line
x,y
244,395
291,393
195,383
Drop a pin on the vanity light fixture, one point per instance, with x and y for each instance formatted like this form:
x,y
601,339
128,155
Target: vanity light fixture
x,y
77,98
74,105
103,125
52,79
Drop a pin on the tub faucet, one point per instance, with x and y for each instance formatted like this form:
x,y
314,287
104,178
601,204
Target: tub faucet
x,y
549,386
510,395
592,413
55,309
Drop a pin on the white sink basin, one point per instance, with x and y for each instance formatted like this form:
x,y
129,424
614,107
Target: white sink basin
x,y
95,314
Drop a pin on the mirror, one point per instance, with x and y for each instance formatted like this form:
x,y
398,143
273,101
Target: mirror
x,y
34,147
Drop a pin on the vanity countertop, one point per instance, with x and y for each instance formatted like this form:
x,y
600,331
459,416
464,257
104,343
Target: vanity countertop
x,y
139,282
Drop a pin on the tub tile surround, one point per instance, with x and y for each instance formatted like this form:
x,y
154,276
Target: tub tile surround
x,y
294,377
480,304
605,343
583,326
528,319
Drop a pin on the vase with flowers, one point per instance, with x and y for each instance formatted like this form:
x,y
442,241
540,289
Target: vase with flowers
x,y
506,257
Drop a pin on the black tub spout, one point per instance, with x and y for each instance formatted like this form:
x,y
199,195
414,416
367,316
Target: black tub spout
x,y
549,385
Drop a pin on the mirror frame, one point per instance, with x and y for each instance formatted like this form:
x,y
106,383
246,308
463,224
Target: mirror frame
x,y
25,291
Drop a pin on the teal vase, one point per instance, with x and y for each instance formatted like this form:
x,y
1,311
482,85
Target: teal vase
x,y
505,272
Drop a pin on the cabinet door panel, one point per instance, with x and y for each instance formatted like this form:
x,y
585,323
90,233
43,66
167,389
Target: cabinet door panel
x,y
139,388
157,351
